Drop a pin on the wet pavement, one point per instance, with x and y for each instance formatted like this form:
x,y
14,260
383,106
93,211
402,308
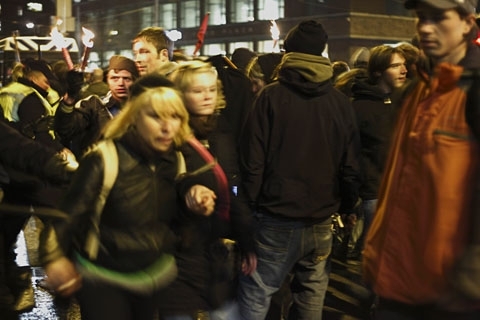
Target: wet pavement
x,y
46,306
346,298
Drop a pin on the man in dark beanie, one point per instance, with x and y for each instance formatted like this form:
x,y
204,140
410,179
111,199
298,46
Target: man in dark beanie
x,y
79,123
307,37
299,156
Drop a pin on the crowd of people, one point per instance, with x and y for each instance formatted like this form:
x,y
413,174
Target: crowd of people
x,y
199,188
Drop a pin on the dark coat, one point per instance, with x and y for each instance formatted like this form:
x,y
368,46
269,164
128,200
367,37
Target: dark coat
x,y
135,222
201,284
375,115
300,147
80,126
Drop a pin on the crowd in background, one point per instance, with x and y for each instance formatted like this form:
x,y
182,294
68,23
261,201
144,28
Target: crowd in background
x,y
198,188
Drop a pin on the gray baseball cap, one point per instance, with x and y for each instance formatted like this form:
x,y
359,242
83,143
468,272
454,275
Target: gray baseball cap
x,y
468,5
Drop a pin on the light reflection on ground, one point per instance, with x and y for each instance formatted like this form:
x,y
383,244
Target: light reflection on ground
x,y
46,308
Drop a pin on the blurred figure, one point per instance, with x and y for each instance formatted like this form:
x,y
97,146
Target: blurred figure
x,y
357,72
359,58
421,253
30,157
153,51
339,67
262,70
345,81
79,123
29,105
241,57
297,123
206,282
375,113
237,91
97,85
134,238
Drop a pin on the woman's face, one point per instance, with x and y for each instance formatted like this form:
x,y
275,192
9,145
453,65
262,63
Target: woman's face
x,y
201,96
158,132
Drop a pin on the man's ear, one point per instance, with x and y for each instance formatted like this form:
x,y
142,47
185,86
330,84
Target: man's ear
x,y
163,55
471,22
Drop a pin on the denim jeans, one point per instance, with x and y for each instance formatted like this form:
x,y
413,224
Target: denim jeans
x,y
282,246
368,208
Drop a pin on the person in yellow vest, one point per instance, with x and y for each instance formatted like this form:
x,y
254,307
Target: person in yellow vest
x,y
420,246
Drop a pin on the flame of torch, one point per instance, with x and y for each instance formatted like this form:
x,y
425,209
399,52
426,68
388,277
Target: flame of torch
x,y
60,43
275,33
88,43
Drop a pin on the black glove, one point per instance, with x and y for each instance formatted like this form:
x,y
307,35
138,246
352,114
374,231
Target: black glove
x,y
74,83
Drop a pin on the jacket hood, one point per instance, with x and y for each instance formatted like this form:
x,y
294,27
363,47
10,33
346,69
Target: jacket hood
x,y
310,74
364,89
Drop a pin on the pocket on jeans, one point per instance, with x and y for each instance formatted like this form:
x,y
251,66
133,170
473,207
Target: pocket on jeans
x,y
273,244
322,235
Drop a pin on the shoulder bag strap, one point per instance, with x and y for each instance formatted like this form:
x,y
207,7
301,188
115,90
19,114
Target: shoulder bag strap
x,y
110,163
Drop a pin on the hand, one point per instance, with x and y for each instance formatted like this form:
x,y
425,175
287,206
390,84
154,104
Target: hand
x,y
200,200
350,220
62,277
249,264
60,168
71,163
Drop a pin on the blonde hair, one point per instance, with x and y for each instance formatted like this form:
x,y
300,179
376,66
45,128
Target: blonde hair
x,y
182,77
165,101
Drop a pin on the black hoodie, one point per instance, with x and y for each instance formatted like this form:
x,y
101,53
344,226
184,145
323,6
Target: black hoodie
x,y
300,148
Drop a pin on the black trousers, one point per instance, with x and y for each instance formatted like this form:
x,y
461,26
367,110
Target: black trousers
x,y
100,301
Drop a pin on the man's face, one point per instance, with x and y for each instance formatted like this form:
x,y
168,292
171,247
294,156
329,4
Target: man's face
x,y
119,82
395,75
442,33
146,57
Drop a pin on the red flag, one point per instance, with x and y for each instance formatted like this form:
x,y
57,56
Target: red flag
x,y
201,33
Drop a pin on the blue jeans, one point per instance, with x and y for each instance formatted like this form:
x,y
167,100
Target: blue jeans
x,y
283,246
368,208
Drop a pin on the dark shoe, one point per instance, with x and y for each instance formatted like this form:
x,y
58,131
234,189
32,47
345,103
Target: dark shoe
x,y
19,278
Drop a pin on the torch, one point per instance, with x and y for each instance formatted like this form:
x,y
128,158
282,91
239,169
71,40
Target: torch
x,y
60,43
88,43
17,50
275,34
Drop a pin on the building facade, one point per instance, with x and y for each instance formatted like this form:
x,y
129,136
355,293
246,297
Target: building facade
x,y
351,24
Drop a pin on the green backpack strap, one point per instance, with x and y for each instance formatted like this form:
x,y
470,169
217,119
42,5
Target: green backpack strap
x,y
109,154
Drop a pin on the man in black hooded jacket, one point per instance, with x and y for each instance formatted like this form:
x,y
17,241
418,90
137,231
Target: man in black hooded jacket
x,y
299,155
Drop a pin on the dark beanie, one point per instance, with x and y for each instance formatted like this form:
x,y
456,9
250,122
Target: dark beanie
x,y
151,80
242,56
123,63
307,37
